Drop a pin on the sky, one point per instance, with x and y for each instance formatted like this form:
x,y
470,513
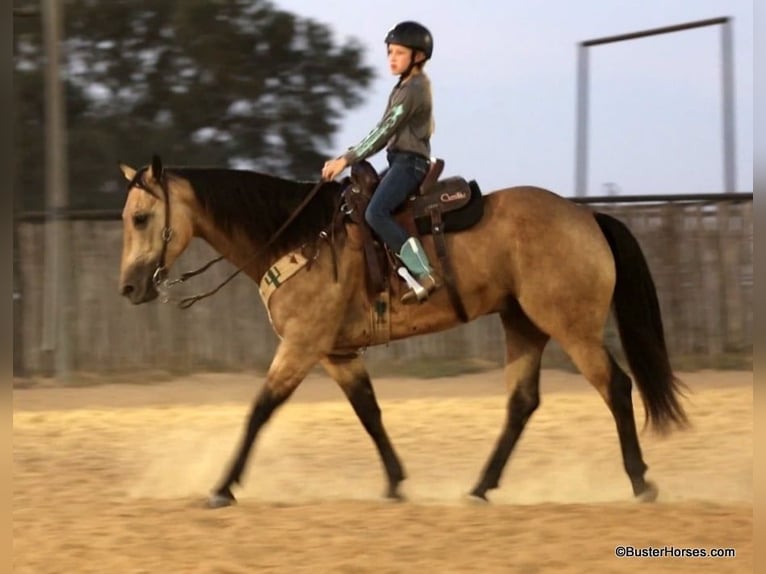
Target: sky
x,y
504,80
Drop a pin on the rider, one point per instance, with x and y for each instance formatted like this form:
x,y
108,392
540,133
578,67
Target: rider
x,y
406,128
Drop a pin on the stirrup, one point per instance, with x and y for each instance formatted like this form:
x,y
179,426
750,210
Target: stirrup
x,y
419,290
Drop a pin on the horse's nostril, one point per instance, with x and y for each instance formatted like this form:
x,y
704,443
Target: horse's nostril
x,y
127,290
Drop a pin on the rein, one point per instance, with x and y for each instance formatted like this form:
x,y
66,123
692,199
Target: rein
x,y
160,275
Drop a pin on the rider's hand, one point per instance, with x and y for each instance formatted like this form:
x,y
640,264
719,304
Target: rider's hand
x,y
333,167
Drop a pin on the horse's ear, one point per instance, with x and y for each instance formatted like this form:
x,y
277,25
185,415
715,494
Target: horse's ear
x,y
127,171
156,167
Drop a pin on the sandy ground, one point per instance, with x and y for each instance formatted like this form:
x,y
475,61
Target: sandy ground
x,y
111,478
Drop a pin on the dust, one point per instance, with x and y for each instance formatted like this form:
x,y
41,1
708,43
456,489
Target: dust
x,y
319,452
178,464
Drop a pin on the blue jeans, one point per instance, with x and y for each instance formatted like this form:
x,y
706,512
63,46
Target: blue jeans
x,y
404,174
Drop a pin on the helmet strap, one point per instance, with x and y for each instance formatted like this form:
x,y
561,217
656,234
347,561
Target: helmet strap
x,y
413,64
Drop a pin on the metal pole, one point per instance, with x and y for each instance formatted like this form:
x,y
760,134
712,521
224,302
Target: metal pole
x,y
18,285
655,31
18,306
727,83
581,135
728,104
55,343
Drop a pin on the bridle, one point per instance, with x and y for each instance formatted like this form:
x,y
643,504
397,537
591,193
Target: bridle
x,y
160,275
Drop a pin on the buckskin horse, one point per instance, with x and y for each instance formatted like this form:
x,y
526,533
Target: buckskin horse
x,y
548,267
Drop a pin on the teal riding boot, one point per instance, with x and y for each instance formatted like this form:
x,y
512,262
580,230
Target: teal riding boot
x,y
416,262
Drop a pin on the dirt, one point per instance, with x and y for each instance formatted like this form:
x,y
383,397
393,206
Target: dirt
x,y
112,478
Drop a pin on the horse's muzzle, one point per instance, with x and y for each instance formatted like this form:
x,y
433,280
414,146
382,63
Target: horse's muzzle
x,y
138,287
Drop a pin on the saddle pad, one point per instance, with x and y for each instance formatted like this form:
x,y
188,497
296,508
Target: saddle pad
x,y
458,220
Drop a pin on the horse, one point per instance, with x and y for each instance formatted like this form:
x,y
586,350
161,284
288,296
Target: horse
x,y
548,267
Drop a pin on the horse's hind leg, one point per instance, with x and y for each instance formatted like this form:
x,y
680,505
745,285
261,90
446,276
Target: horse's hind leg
x,y
524,348
290,366
350,373
614,386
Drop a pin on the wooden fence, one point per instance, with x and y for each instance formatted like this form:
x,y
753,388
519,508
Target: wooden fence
x,y
700,253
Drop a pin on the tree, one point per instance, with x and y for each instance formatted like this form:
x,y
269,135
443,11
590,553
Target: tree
x,y
201,82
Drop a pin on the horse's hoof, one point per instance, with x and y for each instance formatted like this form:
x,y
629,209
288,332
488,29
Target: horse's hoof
x,y
477,498
221,499
393,495
649,494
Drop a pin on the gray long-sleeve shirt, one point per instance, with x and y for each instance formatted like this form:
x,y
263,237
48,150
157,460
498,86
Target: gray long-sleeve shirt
x,y
406,125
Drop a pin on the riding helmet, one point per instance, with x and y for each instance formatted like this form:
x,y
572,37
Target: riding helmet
x,y
413,35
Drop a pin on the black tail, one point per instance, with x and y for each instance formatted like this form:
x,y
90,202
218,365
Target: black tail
x,y
640,325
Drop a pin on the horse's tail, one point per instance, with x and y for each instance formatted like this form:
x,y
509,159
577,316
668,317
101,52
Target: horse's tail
x,y
639,322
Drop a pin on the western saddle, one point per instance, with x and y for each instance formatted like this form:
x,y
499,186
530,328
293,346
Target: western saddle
x,y
436,206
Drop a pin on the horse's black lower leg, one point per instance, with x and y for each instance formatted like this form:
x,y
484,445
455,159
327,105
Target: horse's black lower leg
x,y
524,345
362,398
621,405
263,407
614,386
521,404
350,373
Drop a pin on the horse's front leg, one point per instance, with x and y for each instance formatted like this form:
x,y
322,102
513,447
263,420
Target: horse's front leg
x,y
290,365
350,373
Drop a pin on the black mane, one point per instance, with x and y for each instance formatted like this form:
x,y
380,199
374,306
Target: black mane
x,y
258,204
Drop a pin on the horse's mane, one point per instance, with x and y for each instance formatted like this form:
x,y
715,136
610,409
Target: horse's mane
x,y
258,204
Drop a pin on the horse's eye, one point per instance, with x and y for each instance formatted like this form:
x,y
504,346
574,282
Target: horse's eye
x,y
140,219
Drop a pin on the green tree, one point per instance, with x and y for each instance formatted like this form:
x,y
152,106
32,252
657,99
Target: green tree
x,y
201,82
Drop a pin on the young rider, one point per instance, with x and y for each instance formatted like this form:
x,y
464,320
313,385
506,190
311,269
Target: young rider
x,y
405,129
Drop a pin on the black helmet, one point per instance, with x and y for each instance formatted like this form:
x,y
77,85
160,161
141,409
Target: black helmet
x,y
413,35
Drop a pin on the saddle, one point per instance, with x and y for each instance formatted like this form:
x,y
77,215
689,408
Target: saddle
x,y
436,207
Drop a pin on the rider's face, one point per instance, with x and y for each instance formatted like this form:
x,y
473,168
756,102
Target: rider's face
x,y
399,58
